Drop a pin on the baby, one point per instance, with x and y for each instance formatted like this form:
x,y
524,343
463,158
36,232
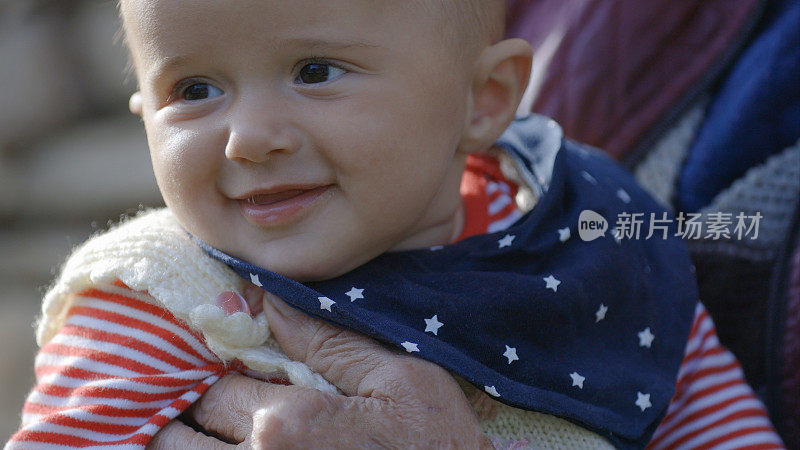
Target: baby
x,y
328,143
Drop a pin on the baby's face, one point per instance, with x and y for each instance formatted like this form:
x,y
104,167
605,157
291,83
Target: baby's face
x,y
306,137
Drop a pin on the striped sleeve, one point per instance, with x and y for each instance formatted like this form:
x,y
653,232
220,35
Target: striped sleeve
x,y
118,370
713,406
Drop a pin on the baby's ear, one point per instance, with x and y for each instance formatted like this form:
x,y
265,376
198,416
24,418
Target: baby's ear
x,y
135,103
501,76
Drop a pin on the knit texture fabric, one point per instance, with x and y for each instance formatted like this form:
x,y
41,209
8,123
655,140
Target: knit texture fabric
x,y
770,189
512,428
539,431
658,172
153,253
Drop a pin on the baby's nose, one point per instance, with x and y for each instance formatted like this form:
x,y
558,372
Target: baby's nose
x,y
257,136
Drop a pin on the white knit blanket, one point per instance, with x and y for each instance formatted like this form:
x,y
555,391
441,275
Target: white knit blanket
x,y
153,254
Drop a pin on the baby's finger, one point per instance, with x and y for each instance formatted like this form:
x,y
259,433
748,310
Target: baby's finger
x,y
253,295
175,435
343,357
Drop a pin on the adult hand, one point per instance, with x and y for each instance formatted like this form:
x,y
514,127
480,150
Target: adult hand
x,y
390,400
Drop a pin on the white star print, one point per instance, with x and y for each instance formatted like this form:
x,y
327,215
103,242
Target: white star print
x,y
506,241
325,303
254,279
623,196
410,347
577,379
563,234
491,390
354,293
511,354
588,177
432,325
601,313
645,338
643,401
552,283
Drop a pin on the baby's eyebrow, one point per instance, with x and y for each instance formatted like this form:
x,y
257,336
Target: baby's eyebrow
x,y
331,44
170,63
166,65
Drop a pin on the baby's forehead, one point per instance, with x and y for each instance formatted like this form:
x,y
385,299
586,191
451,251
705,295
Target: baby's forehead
x,y
466,17
483,20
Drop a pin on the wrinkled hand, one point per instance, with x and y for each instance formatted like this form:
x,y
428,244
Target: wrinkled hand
x,y
391,400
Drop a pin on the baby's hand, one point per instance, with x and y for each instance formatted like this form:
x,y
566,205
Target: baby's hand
x,y
249,302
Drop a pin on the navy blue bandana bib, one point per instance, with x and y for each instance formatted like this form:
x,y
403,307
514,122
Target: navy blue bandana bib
x,y
592,331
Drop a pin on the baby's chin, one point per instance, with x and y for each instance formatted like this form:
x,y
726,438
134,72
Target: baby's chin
x,y
306,270
307,264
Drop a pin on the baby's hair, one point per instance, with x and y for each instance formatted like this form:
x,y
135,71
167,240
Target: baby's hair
x,y
483,19
467,25
121,38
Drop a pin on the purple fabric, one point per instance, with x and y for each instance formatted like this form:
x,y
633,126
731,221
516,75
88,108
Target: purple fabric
x,y
790,385
617,68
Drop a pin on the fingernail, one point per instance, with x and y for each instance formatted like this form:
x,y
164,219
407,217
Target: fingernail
x,y
231,302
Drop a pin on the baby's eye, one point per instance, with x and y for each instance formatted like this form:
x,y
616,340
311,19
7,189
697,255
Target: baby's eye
x,y
317,72
199,91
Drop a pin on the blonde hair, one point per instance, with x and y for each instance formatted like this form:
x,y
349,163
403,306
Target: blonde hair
x,y
485,19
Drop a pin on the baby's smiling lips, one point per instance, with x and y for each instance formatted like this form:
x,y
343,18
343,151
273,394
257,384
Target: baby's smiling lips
x,y
280,205
269,199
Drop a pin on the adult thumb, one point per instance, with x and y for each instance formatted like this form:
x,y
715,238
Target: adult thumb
x,y
342,357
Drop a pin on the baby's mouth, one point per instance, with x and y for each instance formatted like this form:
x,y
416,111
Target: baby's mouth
x,y
282,205
269,199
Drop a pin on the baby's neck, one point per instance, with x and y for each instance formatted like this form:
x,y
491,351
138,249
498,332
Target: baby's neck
x,y
442,233
445,218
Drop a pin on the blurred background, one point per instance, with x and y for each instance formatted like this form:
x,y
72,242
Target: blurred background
x,y
72,158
